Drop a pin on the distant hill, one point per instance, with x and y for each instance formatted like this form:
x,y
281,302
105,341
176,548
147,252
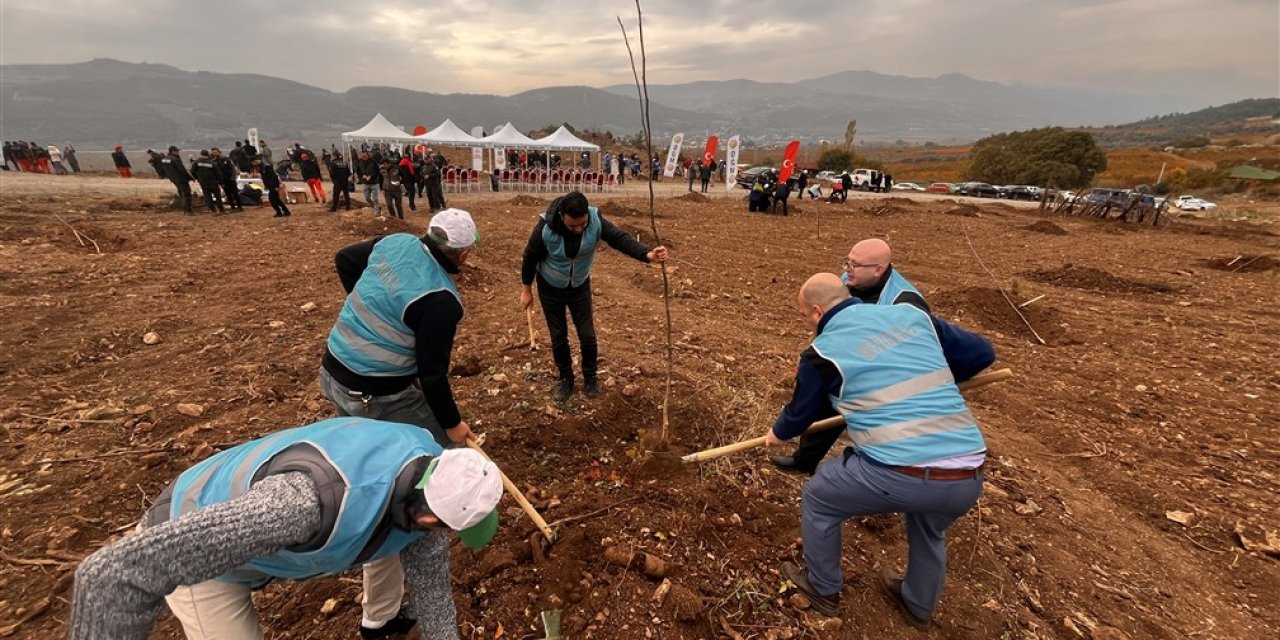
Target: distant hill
x,y
105,102
1253,118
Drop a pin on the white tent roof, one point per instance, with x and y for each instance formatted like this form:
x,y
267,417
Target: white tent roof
x,y
564,139
449,134
378,129
509,136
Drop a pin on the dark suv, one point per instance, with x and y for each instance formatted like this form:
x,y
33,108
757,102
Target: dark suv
x,y
978,189
747,177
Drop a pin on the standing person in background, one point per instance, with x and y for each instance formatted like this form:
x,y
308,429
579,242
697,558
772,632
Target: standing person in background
x,y
704,174
340,173
227,175
311,173
271,182
690,169
369,177
393,188
435,183
207,174
70,154
121,161
409,178
265,152
888,181
55,159
803,182
177,173
8,155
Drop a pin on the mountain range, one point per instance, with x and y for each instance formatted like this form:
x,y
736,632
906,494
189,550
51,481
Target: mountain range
x,y
104,101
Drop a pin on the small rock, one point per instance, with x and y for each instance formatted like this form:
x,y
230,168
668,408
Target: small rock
x,y
799,601
151,337
500,377
309,307
204,450
190,409
140,410
822,623
276,324
1028,508
735,520
495,560
1142,388
630,390
329,606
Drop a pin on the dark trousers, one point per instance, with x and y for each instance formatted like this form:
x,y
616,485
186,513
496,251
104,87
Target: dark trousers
x,y
435,195
395,203
184,195
232,195
341,190
578,302
814,446
273,196
413,194
780,201
705,182
212,197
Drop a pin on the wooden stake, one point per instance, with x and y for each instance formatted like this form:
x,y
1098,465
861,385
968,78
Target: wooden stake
x,y
1000,288
519,497
528,314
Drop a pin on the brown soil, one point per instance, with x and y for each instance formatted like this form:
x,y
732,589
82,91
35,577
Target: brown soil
x,y
1243,264
692,196
612,209
964,209
1046,227
1145,405
525,200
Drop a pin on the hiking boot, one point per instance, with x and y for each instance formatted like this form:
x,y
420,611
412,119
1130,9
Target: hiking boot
x,y
399,625
892,583
563,390
826,605
591,389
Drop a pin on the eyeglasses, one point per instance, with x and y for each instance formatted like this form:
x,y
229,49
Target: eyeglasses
x,y
850,265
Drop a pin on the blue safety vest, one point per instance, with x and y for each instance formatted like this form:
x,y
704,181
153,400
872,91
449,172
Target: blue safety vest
x,y
561,271
370,337
897,395
360,455
895,286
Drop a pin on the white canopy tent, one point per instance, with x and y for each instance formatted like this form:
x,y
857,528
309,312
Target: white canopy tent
x,y
564,139
510,137
379,129
449,134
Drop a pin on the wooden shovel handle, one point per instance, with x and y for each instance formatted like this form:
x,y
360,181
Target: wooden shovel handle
x,y
836,421
524,502
528,314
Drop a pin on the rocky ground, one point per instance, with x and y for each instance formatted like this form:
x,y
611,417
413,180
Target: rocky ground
x,y
1132,489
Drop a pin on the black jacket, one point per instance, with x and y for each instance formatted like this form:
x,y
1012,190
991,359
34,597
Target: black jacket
x,y
206,172
227,171
120,159
368,172
433,319
310,168
269,178
535,250
173,168
340,172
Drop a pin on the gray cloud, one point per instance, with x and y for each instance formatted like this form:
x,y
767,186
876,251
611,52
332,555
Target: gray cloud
x,y
1213,51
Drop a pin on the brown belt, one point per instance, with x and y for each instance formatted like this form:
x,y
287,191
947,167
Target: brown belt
x,y
939,474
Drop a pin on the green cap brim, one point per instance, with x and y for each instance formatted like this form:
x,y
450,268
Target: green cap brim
x,y
481,533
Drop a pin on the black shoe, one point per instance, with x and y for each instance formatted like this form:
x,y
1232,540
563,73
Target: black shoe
x,y
591,389
788,463
892,583
826,605
563,390
399,625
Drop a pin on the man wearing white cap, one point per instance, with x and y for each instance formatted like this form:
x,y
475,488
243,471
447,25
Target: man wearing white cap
x,y
305,502
397,325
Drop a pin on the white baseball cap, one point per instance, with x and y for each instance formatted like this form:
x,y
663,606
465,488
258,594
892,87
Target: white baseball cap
x,y
462,488
458,228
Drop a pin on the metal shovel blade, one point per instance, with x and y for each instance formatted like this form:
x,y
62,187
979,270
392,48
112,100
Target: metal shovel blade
x,y
551,624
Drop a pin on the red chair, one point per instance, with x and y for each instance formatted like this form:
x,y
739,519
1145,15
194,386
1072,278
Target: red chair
x,y
450,179
610,182
475,180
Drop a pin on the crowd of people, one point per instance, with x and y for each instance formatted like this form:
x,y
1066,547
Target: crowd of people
x,y
29,157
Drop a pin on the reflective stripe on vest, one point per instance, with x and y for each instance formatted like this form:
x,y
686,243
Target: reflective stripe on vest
x,y
557,268
897,395
367,455
370,337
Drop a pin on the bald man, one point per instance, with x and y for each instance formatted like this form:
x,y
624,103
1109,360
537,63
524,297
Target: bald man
x,y
919,450
870,277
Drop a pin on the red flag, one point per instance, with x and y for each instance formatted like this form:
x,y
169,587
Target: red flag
x,y
789,160
710,153
419,130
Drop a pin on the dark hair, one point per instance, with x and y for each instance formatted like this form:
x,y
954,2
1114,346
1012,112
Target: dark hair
x,y
573,205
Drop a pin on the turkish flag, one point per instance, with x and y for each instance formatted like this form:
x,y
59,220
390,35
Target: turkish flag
x,y
419,130
710,153
789,160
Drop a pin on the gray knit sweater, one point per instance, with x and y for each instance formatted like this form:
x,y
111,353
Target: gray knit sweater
x,y
121,587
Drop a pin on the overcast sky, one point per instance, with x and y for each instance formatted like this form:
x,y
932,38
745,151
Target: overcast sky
x,y
1223,49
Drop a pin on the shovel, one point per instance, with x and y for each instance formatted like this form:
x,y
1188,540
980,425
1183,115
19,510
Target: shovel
x,y
823,425
524,502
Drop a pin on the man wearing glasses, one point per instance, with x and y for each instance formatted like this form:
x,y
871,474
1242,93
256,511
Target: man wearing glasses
x,y
870,277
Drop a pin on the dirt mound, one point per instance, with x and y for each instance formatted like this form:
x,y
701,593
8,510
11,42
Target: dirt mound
x,y
644,233
692,196
612,209
898,201
964,209
887,209
988,309
88,237
366,226
1243,264
1091,279
1046,227
525,200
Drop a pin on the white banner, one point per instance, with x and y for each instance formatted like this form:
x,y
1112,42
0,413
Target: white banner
x,y
499,159
673,155
731,160
252,135
477,153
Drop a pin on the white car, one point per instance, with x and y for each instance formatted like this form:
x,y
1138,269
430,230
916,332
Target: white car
x,y
1195,204
1183,198
829,176
907,186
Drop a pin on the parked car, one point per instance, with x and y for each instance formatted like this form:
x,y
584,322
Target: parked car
x,y
1183,198
1196,204
978,189
747,177
1021,192
939,187
1116,197
1003,191
862,178
907,186
828,176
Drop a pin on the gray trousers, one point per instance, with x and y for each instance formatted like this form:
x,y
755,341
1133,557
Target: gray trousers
x,y
406,407
852,486
371,196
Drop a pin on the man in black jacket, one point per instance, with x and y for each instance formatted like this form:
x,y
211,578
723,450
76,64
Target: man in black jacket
x,y
173,169
340,173
227,175
431,176
397,327
271,182
369,177
207,174
559,255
